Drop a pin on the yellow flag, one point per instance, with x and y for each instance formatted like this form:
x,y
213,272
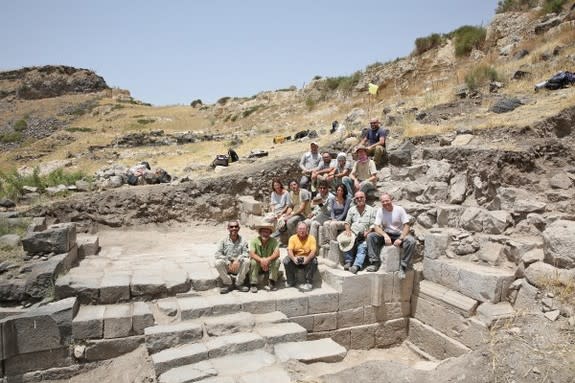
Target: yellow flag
x,y
372,89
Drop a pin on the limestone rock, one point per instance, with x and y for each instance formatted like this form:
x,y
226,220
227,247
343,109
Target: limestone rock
x,y
559,243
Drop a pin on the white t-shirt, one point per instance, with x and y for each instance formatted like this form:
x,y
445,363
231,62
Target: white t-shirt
x,y
391,221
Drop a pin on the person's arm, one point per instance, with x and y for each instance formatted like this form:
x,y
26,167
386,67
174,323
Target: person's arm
x,y
313,250
220,251
302,163
245,251
342,216
372,171
291,245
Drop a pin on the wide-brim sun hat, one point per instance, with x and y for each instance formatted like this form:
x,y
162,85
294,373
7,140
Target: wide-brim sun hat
x,y
360,148
346,242
264,225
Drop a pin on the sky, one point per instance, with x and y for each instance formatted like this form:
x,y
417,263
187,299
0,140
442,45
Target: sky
x,y
174,51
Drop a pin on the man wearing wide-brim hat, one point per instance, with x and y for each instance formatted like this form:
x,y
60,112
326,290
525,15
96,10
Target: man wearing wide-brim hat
x,y
374,140
364,172
358,224
264,254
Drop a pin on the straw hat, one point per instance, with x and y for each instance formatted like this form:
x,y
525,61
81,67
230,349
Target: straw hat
x,y
346,242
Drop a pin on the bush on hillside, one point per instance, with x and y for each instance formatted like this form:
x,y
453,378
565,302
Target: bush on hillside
x,y
20,125
467,38
343,83
12,183
515,5
481,75
423,44
553,6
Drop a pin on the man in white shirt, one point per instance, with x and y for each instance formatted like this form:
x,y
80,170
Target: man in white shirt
x,y
391,228
308,163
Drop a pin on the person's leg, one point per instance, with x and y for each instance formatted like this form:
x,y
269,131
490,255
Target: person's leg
x,y
255,269
348,258
310,270
292,224
366,186
360,255
289,267
408,247
243,272
314,230
304,182
379,151
274,270
348,182
374,244
222,268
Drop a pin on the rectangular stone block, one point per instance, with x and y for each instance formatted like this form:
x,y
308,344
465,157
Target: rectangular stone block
x,y
115,287
38,360
142,317
281,332
194,307
387,287
482,283
179,356
102,349
161,337
233,344
222,305
436,243
334,254
58,238
176,280
147,283
449,298
433,342
350,317
390,257
311,351
228,324
87,245
495,314
305,321
249,205
293,306
363,337
354,290
89,322
117,320
260,303
391,332
325,321
341,336
322,300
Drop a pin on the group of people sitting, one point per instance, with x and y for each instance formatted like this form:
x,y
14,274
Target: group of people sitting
x,y
328,203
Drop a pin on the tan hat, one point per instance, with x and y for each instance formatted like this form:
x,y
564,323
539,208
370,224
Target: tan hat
x,y
361,148
314,143
346,242
263,225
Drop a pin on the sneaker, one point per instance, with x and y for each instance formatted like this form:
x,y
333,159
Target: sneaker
x,y
271,286
226,289
306,287
346,266
354,269
290,284
372,268
254,289
244,289
401,273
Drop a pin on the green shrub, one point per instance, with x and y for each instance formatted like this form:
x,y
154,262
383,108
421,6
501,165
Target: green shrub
x,y
145,121
223,100
196,102
78,129
310,103
12,184
467,38
9,137
515,5
553,6
18,226
250,110
342,83
20,125
317,77
423,44
481,75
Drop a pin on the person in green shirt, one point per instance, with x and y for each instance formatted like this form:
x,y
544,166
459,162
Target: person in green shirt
x,y
264,254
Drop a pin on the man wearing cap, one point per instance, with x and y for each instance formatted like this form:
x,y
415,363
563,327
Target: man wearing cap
x,y
374,140
322,172
302,249
358,224
300,206
264,254
391,228
341,169
232,259
364,173
320,209
308,163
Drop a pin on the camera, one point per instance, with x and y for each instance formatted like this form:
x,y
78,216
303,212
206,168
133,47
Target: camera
x,y
300,260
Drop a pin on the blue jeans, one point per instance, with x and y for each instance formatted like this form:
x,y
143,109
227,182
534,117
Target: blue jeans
x,y
360,253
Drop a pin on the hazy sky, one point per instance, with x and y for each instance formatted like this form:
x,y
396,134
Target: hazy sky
x,y
172,52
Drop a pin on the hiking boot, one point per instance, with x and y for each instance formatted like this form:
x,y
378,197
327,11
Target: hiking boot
x,y
372,268
226,289
354,269
401,273
306,287
254,289
290,284
244,289
346,266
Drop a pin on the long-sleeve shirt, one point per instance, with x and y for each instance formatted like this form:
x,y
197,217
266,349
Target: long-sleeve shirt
x,y
232,250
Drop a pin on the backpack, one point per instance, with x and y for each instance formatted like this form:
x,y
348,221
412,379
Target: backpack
x,y
233,155
220,160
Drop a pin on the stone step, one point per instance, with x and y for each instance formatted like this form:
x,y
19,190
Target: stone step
x,y
274,333
446,297
161,337
434,342
229,366
311,351
479,282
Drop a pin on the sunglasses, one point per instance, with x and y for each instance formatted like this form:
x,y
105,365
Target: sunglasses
x,y
233,227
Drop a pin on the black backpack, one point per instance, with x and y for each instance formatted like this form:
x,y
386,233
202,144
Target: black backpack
x,y
220,160
233,155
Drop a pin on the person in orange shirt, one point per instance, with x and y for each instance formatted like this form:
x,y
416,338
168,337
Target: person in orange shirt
x,y
302,250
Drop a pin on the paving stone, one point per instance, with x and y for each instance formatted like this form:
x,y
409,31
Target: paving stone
x,y
176,280
147,283
363,337
482,283
391,332
324,300
168,306
117,320
243,363
281,332
233,343
203,278
39,360
115,287
179,356
433,342
449,298
271,317
292,302
102,349
495,314
340,336
142,317
273,374
220,379
224,304
86,287
188,373
228,324
161,337
262,302
87,245
312,351
89,322
194,307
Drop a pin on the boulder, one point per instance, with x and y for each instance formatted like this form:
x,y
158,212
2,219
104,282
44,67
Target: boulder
x,y
559,242
457,189
58,238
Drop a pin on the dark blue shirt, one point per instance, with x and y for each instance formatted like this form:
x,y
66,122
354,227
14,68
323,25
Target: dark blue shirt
x,y
373,136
